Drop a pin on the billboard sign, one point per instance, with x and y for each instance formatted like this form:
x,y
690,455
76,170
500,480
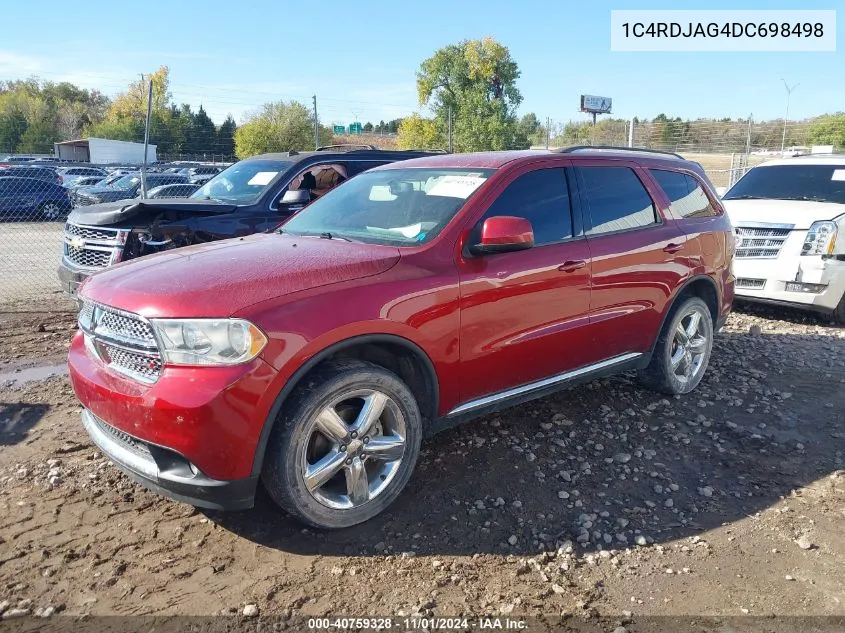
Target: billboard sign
x,y
597,105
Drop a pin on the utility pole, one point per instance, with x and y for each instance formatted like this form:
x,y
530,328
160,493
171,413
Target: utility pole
x,y
748,138
146,137
786,118
631,133
450,129
548,131
316,126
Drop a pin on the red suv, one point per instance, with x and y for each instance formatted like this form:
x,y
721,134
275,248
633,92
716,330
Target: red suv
x,y
412,297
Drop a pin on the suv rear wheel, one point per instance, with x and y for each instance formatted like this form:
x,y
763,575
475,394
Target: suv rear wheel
x,y
683,349
345,446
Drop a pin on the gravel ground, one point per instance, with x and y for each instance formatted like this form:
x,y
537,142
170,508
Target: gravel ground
x,y
607,500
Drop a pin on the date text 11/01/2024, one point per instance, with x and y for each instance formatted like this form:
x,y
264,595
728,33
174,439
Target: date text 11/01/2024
x,y
418,624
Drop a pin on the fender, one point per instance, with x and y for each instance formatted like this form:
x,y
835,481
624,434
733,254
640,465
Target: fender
x,y
258,459
671,304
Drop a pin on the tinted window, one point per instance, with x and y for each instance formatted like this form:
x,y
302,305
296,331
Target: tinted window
x,y
542,197
616,199
822,183
685,194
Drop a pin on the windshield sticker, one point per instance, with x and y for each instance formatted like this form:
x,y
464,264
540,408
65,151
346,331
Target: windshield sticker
x,y
262,178
405,231
838,174
456,186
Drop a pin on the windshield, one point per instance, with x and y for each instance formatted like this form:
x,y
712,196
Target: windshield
x,y
402,207
243,182
125,183
820,183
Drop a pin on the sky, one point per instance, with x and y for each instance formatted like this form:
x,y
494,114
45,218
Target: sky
x,y
360,58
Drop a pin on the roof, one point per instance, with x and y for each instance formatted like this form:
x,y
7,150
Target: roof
x,y
494,160
809,159
296,157
481,160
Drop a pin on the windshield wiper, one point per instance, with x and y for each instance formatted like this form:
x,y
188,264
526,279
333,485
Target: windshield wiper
x,y
745,196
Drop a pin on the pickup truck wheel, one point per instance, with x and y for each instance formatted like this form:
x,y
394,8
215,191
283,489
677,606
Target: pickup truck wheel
x,y
839,312
345,445
50,211
683,349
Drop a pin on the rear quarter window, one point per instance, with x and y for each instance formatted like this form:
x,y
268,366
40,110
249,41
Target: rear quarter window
x,y
686,195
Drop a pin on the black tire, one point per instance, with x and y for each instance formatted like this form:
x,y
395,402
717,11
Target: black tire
x,y
659,374
293,436
839,312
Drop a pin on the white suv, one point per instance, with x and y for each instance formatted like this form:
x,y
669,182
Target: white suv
x,y
789,219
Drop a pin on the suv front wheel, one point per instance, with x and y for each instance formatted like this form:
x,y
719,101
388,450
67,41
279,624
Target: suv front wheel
x,y
345,445
683,350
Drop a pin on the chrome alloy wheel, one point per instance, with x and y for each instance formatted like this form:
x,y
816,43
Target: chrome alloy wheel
x,y
354,448
689,347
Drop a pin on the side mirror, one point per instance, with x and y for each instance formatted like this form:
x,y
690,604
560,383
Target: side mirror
x,y
503,234
295,197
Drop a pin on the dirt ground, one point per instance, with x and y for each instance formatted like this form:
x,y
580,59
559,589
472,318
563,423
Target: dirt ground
x,y
607,500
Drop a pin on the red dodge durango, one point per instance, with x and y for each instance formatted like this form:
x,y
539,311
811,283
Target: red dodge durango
x,y
414,296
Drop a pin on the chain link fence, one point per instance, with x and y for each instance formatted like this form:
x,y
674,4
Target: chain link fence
x,y
36,197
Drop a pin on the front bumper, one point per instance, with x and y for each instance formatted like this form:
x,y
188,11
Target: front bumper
x,y
773,275
72,278
197,428
166,472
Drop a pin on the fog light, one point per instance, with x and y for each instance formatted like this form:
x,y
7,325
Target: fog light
x,y
795,286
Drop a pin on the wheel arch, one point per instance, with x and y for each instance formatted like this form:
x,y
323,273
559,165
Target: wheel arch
x,y
424,384
701,286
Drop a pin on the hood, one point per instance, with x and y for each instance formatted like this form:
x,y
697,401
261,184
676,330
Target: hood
x,y
114,212
799,213
220,278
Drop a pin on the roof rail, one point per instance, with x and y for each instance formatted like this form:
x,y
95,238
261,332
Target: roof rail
x,y
346,145
581,148
437,150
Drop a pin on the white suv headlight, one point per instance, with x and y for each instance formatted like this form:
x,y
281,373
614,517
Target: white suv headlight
x,y
208,341
821,239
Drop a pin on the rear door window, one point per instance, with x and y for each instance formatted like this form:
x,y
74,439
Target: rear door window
x,y
616,199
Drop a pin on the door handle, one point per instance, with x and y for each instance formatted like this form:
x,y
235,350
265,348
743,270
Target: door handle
x,y
572,265
673,248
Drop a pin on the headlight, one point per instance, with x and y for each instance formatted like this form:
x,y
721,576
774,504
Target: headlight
x,y
821,238
208,341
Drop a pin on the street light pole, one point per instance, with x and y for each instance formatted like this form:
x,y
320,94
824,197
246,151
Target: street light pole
x,y
786,118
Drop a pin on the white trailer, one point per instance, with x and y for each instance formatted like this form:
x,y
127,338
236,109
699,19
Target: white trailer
x,y
103,151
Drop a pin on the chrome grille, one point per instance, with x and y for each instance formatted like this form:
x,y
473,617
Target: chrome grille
x,y
146,367
760,241
123,341
87,257
127,329
751,284
93,247
90,232
128,442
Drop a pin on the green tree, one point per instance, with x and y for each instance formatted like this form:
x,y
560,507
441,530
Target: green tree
x,y
203,133
476,81
368,127
828,129
226,137
416,132
279,127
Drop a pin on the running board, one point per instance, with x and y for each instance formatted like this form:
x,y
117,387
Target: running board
x,y
486,401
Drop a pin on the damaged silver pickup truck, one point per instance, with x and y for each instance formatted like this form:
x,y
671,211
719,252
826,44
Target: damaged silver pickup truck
x,y
254,195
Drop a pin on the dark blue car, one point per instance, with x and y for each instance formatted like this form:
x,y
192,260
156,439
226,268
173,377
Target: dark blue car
x,y
32,199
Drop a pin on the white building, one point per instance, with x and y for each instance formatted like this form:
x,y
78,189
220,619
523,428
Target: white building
x,y
103,151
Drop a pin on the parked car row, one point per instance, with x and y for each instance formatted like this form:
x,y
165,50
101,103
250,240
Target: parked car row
x,y
403,293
